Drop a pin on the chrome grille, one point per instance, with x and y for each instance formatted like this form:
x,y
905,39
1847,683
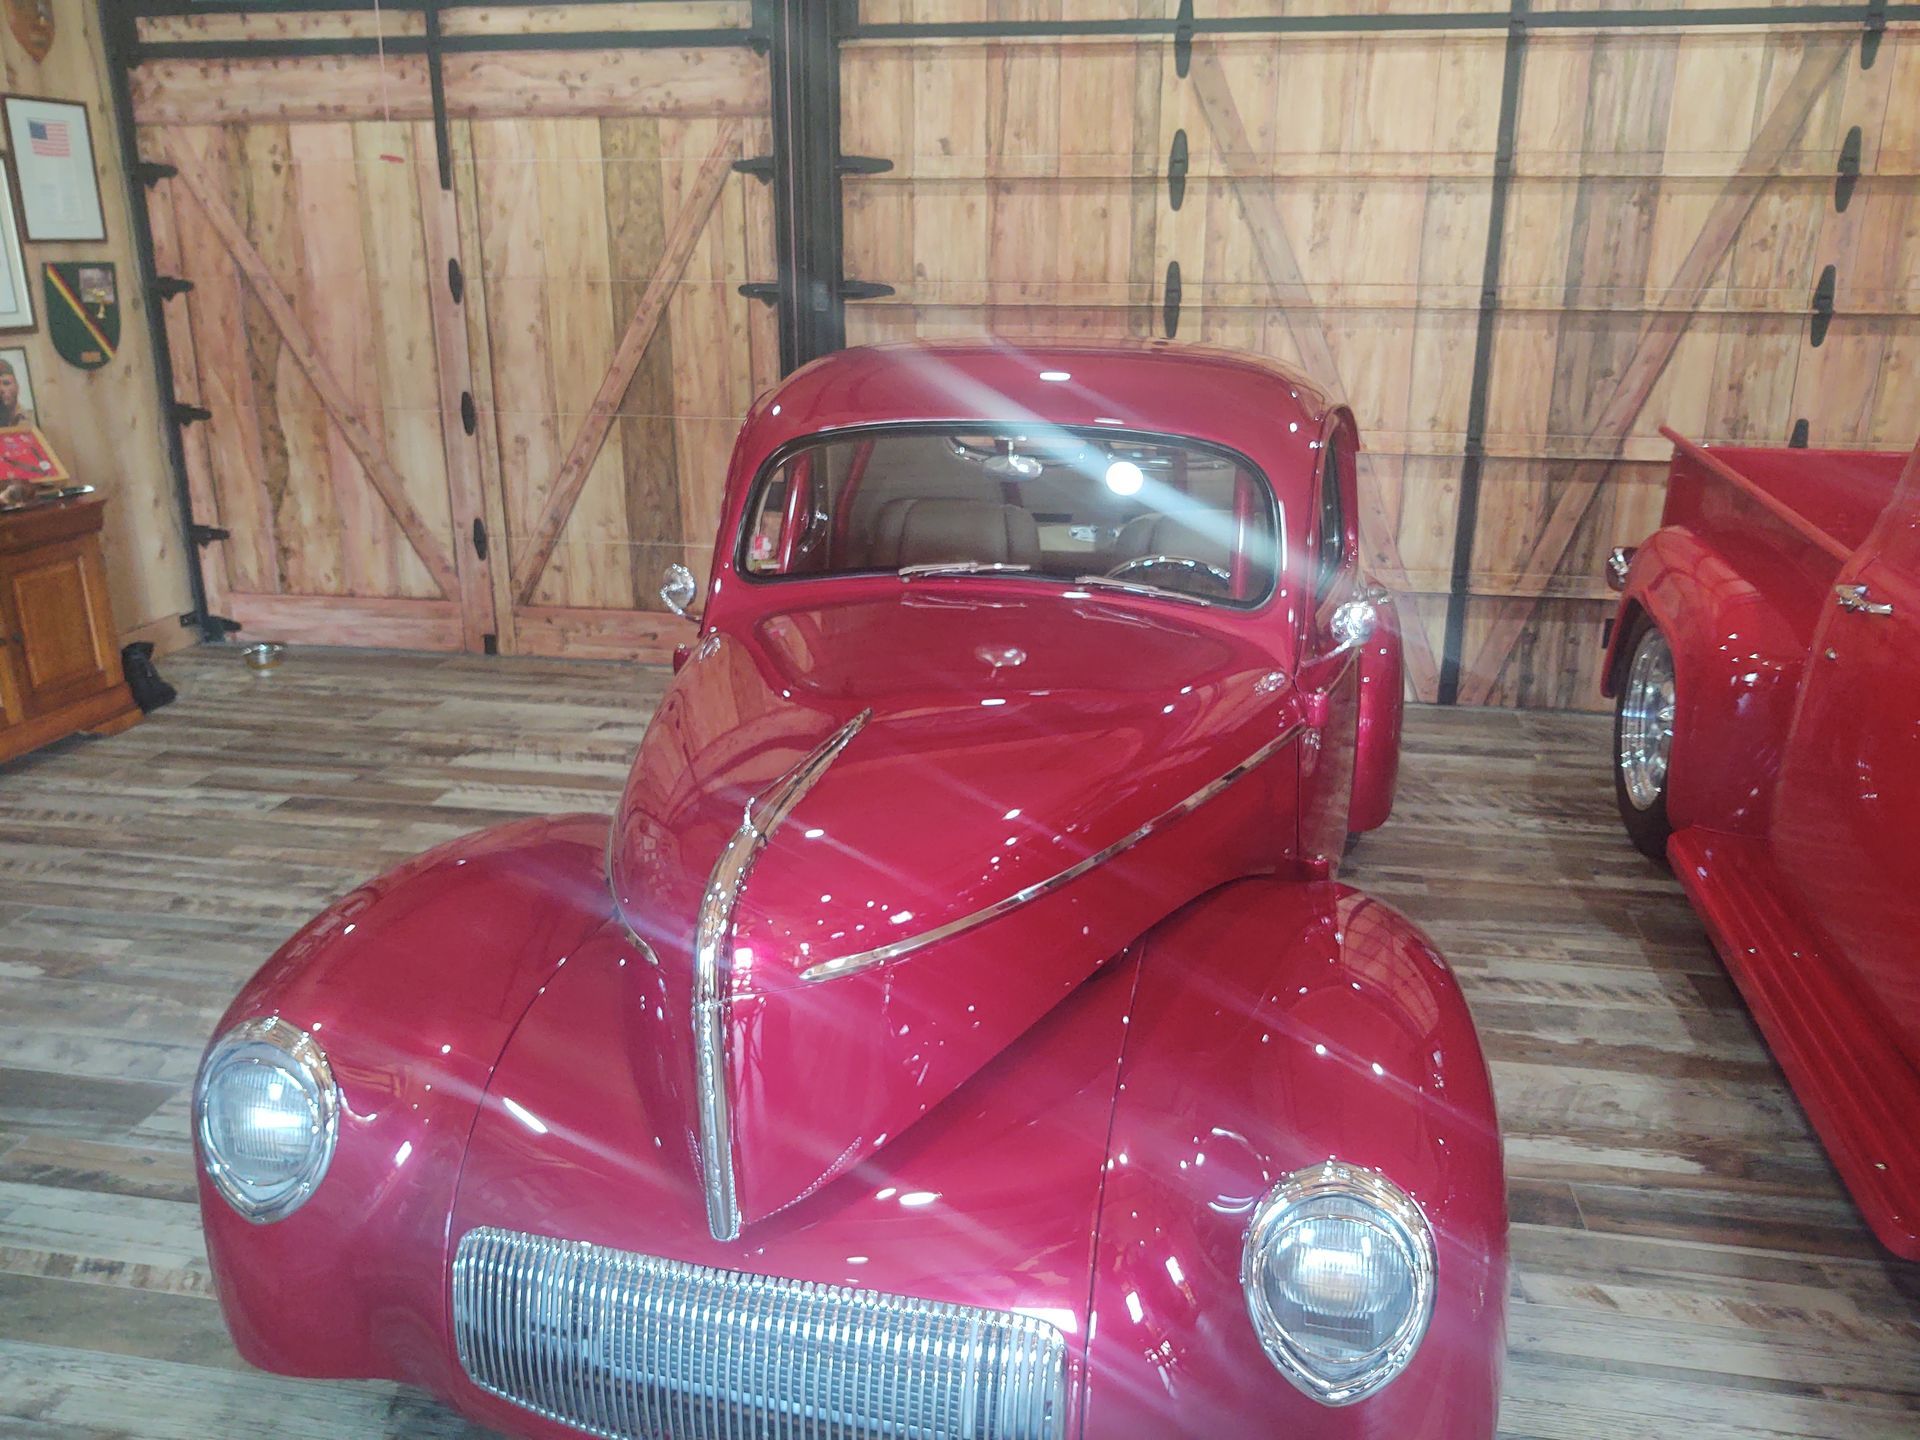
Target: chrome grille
x,y
627,1345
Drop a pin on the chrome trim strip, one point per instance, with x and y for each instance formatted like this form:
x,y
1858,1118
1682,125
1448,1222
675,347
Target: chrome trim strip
x,y
866,959
715,925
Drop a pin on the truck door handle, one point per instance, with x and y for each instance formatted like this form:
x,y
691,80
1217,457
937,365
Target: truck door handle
x,y
1854,598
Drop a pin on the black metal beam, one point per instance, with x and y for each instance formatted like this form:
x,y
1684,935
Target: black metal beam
x,y
116,26
1599,18
803,38
1467,514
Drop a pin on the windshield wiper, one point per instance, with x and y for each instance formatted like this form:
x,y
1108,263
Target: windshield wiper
x,y
963,567
1135,587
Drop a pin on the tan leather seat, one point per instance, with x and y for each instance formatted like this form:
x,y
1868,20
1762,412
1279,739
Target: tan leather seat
x,y
1204,536
910,531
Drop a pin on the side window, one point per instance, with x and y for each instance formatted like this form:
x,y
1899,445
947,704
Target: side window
x,y
1333,523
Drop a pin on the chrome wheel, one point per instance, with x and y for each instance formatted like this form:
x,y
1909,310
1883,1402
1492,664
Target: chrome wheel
x,y
1646,722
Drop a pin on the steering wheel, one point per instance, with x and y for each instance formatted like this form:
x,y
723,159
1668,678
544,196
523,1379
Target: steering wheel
x,y
1178,562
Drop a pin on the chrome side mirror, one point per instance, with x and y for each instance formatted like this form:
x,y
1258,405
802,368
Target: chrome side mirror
x,y
679,591
1354,621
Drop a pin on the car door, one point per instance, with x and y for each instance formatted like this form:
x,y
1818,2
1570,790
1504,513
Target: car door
x,y
1848,805
1329,670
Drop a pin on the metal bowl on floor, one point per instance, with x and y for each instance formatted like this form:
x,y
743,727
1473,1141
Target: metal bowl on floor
x,y
264,656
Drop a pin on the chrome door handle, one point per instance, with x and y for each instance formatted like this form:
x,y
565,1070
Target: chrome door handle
x,y
1854,598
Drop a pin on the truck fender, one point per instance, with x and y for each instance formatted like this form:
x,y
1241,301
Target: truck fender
x,y
1737,663
1376,742
1277,1025
411,985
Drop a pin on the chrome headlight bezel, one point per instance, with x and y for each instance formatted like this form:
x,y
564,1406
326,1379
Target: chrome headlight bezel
x,y
296,1054
1397,1216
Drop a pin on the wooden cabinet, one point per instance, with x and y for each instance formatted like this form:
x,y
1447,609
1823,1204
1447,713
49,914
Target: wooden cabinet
x,y
59,665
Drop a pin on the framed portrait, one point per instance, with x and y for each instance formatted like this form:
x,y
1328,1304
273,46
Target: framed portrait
x,y
16,295
25,455
52,151
16,389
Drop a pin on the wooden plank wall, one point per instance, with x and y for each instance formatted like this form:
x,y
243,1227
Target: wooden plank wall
x,y
1336,212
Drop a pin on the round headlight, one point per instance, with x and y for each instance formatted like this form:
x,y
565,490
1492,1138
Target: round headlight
x,y
1338,1271
266,1111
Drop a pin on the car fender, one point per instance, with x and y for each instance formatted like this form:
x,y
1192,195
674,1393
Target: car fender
x,y
1738,657
411,985
1376,741
1277,1025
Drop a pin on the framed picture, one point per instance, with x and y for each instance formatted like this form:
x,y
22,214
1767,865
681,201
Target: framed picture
x,y
16,295
16,389
52,152
25,456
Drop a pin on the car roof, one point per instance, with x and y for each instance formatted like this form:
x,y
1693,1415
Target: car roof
x,y
1153,385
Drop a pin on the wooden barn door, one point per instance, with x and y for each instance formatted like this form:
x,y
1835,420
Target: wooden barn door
x,y
469,409
609,235
310,342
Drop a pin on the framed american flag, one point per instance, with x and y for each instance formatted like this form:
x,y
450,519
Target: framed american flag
x,y
52,151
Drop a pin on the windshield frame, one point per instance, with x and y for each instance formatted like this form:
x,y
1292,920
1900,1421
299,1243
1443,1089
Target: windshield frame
x,y
854,434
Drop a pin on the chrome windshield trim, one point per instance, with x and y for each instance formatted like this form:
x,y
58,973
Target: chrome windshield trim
x,y
715,925
866,959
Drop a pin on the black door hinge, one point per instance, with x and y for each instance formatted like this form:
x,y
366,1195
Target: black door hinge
x,y
185,414
456,280
1798,440
220,624
1823,306
863,290
765,290
1177,163
863,165
1847,172
152,172
758,166
1183,39
469,420
1876,27
169,286
206,534
480,537
1170,302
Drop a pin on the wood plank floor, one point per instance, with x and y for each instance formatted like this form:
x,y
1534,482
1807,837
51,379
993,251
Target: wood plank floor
x,y
1684,1259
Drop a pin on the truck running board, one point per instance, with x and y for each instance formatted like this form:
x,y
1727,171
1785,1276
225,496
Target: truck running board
x,y
1858,1089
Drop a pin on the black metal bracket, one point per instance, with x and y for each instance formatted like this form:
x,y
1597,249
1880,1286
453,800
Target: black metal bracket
x,y
1848,170
469,416
169,287
1823,305
1178,161
185,414
437,94
1876,27
1170,300
480,538
152,172
1798,440
863,290
456,280
213,626
758,166
765,290
204,535
1183,39
863,165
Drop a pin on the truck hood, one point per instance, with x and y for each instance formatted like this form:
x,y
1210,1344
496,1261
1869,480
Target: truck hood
x,y
1012,780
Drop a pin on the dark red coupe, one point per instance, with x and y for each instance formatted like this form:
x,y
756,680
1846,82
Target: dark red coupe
x,y
958,1031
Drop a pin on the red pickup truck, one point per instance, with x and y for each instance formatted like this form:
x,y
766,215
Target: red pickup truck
x,y
1765,669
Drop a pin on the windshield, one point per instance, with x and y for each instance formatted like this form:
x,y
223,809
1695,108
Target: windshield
x,y
1095,508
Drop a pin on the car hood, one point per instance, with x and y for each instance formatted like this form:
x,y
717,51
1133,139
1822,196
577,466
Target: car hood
x,y
1006,779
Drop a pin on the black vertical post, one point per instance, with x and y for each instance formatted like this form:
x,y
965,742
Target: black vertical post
x,y
804,41
1476,436
119,38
